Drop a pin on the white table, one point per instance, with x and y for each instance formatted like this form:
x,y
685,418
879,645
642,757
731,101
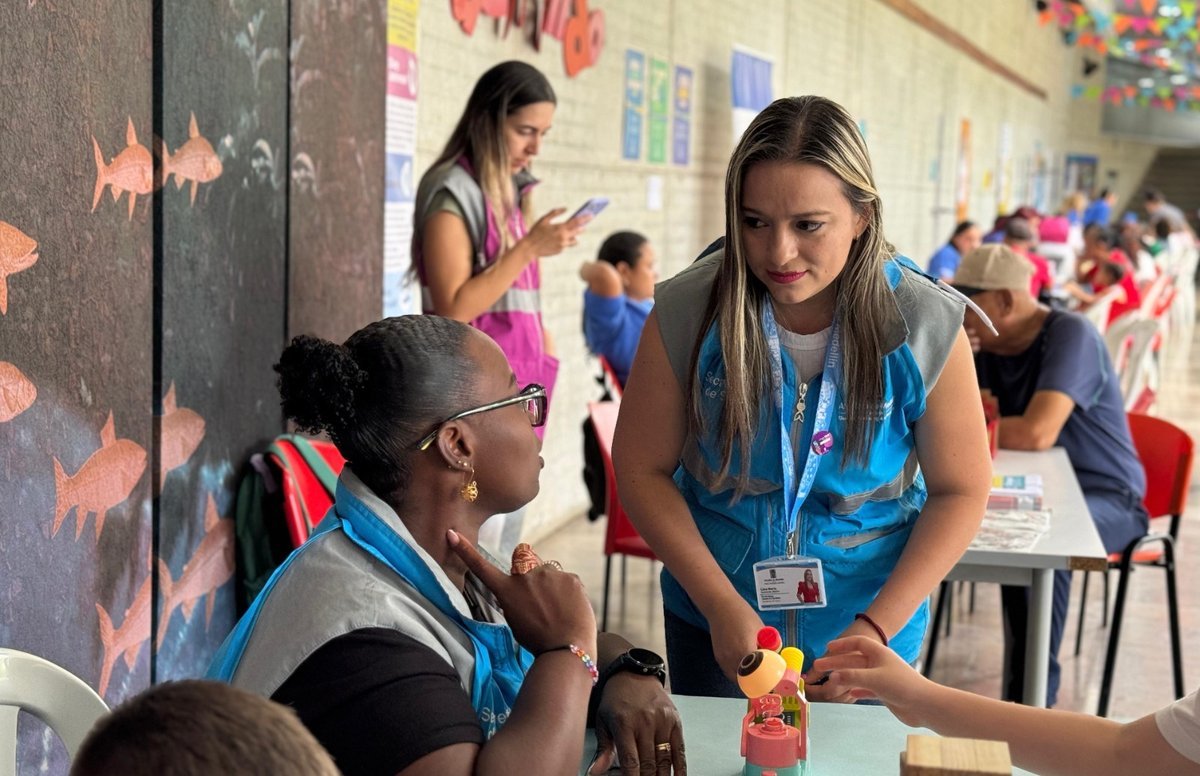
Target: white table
x,y
845,739
1070,543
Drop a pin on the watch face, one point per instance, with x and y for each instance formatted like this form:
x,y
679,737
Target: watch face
x,y
646,658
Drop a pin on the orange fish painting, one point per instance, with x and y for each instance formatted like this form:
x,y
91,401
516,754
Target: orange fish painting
x,y
132,170
17,393
194,161
126,640
210,566
105,480
182,432
18,251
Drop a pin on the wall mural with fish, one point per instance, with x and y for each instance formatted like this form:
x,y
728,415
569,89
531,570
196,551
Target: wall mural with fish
x,y
223,270
148,280
76,345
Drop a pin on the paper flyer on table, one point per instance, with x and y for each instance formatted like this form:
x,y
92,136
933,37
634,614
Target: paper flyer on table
x,y
1014,530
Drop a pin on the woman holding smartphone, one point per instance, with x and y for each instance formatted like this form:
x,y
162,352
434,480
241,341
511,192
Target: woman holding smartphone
x,y
473,252
476,258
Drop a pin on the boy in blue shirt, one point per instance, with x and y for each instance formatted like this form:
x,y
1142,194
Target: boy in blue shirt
x,y
618,298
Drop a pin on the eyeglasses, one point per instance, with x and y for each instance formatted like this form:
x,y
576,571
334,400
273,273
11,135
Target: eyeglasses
x,y
533,396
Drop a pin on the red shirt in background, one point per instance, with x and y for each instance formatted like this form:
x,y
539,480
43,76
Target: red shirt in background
x,y
1130,297
1042,277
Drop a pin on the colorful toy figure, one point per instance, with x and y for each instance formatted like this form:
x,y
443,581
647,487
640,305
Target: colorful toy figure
x,y
775,728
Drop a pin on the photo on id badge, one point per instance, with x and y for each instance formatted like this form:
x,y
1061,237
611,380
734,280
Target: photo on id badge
x,y
796,583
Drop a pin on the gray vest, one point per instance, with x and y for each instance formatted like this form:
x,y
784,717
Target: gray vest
x,y
925,315
334,587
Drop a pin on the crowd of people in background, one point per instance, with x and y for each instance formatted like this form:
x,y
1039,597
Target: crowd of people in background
x,y
1081,253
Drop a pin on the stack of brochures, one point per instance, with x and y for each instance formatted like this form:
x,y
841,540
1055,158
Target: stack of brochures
x,y
1015,519
1021,491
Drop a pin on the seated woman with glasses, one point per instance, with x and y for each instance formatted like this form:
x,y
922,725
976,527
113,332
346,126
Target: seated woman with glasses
x,y
385,629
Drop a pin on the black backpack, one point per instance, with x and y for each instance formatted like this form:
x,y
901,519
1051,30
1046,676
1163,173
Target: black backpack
x,y
594,477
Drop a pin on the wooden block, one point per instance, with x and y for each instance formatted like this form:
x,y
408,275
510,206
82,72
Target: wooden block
x,y
934,756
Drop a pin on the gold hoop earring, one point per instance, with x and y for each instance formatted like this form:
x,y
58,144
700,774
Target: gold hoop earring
x,y
470,490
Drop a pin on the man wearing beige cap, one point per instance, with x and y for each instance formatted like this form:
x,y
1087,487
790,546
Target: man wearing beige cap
x,y
1051,374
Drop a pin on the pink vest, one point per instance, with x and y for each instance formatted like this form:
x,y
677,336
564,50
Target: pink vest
x,y
515,320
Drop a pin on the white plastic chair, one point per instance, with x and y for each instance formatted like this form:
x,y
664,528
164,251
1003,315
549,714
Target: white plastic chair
x,y
1153,293
1183,311
1118,338
52,694
1141,370
1097,313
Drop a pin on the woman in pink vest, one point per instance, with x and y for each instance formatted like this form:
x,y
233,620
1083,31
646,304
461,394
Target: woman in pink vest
x,y
476,259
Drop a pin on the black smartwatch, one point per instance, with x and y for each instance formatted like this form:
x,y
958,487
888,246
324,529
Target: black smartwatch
x,y
639,661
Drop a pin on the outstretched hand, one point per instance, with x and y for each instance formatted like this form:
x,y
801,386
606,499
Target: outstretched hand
x,y
870,670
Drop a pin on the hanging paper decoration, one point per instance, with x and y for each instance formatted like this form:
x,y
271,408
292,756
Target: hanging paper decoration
x,y
1163,35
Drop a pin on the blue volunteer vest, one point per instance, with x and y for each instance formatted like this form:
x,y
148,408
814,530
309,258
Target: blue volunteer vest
x,y
857,520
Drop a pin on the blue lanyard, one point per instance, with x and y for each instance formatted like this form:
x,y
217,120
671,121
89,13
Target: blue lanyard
x,y
793,494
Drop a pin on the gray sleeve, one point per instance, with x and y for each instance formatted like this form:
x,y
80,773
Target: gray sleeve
x,y
445,201
934,316
679,305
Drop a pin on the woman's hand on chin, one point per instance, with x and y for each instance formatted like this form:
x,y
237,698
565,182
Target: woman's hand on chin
x,y
638,728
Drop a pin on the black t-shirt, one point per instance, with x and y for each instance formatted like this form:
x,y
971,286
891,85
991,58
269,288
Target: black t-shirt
x,y
378,701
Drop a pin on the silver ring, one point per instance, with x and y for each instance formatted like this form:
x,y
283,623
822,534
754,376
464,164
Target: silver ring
x,y
553,564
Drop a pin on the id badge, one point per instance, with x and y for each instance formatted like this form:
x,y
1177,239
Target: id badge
x,y
789,583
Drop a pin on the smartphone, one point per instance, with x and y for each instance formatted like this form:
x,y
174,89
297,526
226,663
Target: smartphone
x,y
591,208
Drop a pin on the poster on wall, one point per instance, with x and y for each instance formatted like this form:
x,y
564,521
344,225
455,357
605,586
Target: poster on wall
x,y
962,189
1004,167
681,133
400,294
1039,180
660,101
750,81
1079,174
635,101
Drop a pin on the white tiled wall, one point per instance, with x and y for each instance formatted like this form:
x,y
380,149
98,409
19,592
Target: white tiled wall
x,y
909,88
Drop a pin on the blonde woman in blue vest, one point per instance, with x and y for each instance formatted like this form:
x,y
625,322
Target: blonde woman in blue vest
x,y
803,399
399,646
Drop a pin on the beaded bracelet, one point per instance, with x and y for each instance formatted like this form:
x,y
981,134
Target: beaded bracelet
x,y
588,663
867,619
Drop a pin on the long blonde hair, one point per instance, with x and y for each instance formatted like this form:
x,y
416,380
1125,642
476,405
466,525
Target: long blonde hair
x,y
479,134
811,130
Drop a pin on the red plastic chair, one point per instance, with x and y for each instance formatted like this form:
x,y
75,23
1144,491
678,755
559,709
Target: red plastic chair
x,y
309,481
1166,452
620,537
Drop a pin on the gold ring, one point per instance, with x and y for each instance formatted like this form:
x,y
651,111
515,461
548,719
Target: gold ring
x,y
663,747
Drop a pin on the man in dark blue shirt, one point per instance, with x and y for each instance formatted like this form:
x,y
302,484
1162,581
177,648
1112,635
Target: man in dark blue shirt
x,y
1051,374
